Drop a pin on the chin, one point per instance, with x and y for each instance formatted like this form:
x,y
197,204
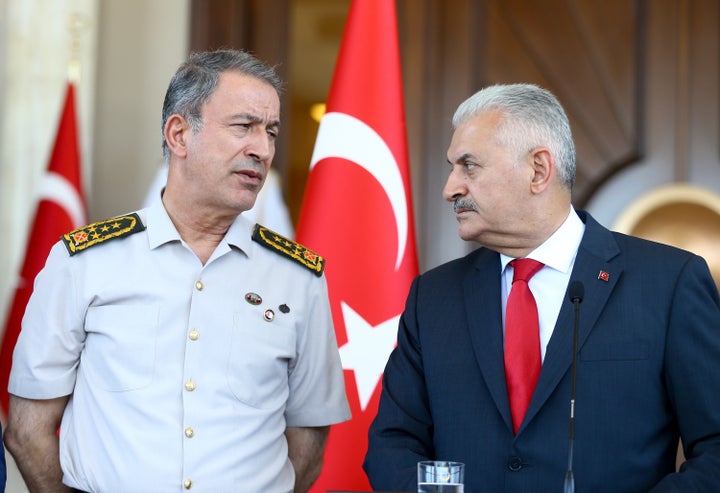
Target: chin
x,y
471,226
246,201
467,235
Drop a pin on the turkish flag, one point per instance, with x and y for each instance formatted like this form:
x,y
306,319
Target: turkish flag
x,y
61,208
357,213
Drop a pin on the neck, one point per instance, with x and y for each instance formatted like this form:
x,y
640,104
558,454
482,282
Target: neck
x,y
201,231
538,230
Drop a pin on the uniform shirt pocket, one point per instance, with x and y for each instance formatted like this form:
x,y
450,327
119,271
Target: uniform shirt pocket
x,y
261,354
120,348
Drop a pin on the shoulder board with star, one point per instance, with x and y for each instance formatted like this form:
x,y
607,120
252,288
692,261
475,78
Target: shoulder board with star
x,y
289,248
102,231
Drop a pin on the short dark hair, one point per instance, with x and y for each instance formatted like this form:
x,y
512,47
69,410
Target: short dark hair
x,y
196,79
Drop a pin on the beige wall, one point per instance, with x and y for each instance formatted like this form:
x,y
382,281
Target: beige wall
x,y
128,52
141,43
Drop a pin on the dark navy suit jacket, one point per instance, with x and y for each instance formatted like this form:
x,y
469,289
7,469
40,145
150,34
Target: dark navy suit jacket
x,y
648,372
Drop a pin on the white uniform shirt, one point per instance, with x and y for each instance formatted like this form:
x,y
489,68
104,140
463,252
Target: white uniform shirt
x,y
176,379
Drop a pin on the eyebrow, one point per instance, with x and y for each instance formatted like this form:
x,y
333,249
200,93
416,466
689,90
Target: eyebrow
x,y
461,159
256,119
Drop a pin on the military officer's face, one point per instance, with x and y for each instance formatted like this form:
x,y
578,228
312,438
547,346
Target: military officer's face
x,y
229,157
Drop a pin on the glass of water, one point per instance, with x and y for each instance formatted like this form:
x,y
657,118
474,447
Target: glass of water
x,y
437,476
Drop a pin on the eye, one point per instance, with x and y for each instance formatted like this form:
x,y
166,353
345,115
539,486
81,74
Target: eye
x,y
467,167
463,166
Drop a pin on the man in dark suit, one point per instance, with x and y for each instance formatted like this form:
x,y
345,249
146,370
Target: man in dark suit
x,y
648,360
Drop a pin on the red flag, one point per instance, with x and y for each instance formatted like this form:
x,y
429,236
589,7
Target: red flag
x,y
61,208
357,212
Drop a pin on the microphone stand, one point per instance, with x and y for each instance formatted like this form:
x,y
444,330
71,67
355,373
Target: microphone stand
x,y
576,292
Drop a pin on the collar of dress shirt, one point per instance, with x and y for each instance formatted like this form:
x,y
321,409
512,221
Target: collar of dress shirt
x,y
558,251
161,229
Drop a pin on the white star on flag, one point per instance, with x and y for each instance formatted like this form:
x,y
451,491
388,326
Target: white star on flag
x,y
367,350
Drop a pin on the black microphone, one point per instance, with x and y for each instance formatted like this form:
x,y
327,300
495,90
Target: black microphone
x,y
576,292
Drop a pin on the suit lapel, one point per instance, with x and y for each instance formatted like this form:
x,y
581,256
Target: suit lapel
x,y
484,318
598,267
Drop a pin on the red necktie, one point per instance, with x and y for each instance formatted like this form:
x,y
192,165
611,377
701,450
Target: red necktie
x,y
522,340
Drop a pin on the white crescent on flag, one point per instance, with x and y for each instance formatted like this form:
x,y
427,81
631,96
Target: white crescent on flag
x,y
56,188
344,136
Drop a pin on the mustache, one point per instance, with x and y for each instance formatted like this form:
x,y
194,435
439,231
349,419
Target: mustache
x,y
463,203
248,164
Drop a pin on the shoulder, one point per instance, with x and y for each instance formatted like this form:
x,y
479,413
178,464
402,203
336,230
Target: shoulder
x,y
289,249
639,251
102,231
478,258
657,255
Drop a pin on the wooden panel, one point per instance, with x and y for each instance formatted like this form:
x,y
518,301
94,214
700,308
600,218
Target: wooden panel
x,y
703,88
441,68
219,24
259,26
587,53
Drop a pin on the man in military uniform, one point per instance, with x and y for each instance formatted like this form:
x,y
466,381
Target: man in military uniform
x,y
181,346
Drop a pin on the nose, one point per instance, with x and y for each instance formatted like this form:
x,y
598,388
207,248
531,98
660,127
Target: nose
x,y
454,186
262,146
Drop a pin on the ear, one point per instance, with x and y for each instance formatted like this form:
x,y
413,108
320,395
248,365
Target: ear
x,y
176,131
543,165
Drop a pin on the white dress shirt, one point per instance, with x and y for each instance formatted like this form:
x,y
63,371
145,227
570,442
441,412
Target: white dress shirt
x,y
549,284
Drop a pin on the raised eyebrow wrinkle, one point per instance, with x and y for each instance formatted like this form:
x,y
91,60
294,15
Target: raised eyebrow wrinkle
x,y
247,116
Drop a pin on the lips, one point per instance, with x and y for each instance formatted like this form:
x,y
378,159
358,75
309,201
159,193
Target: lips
x,y
250,175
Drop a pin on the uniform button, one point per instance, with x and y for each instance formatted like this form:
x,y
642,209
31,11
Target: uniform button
x,y
515,463
189,432
187,484
189,385
199,285
194,334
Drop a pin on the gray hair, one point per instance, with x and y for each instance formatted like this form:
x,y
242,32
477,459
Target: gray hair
x,y
196,79
532,117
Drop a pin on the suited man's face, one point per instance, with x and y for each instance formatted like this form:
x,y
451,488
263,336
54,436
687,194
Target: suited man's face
x,y
489,185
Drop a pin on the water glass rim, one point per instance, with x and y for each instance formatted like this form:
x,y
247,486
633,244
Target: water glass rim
x,y
441,463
